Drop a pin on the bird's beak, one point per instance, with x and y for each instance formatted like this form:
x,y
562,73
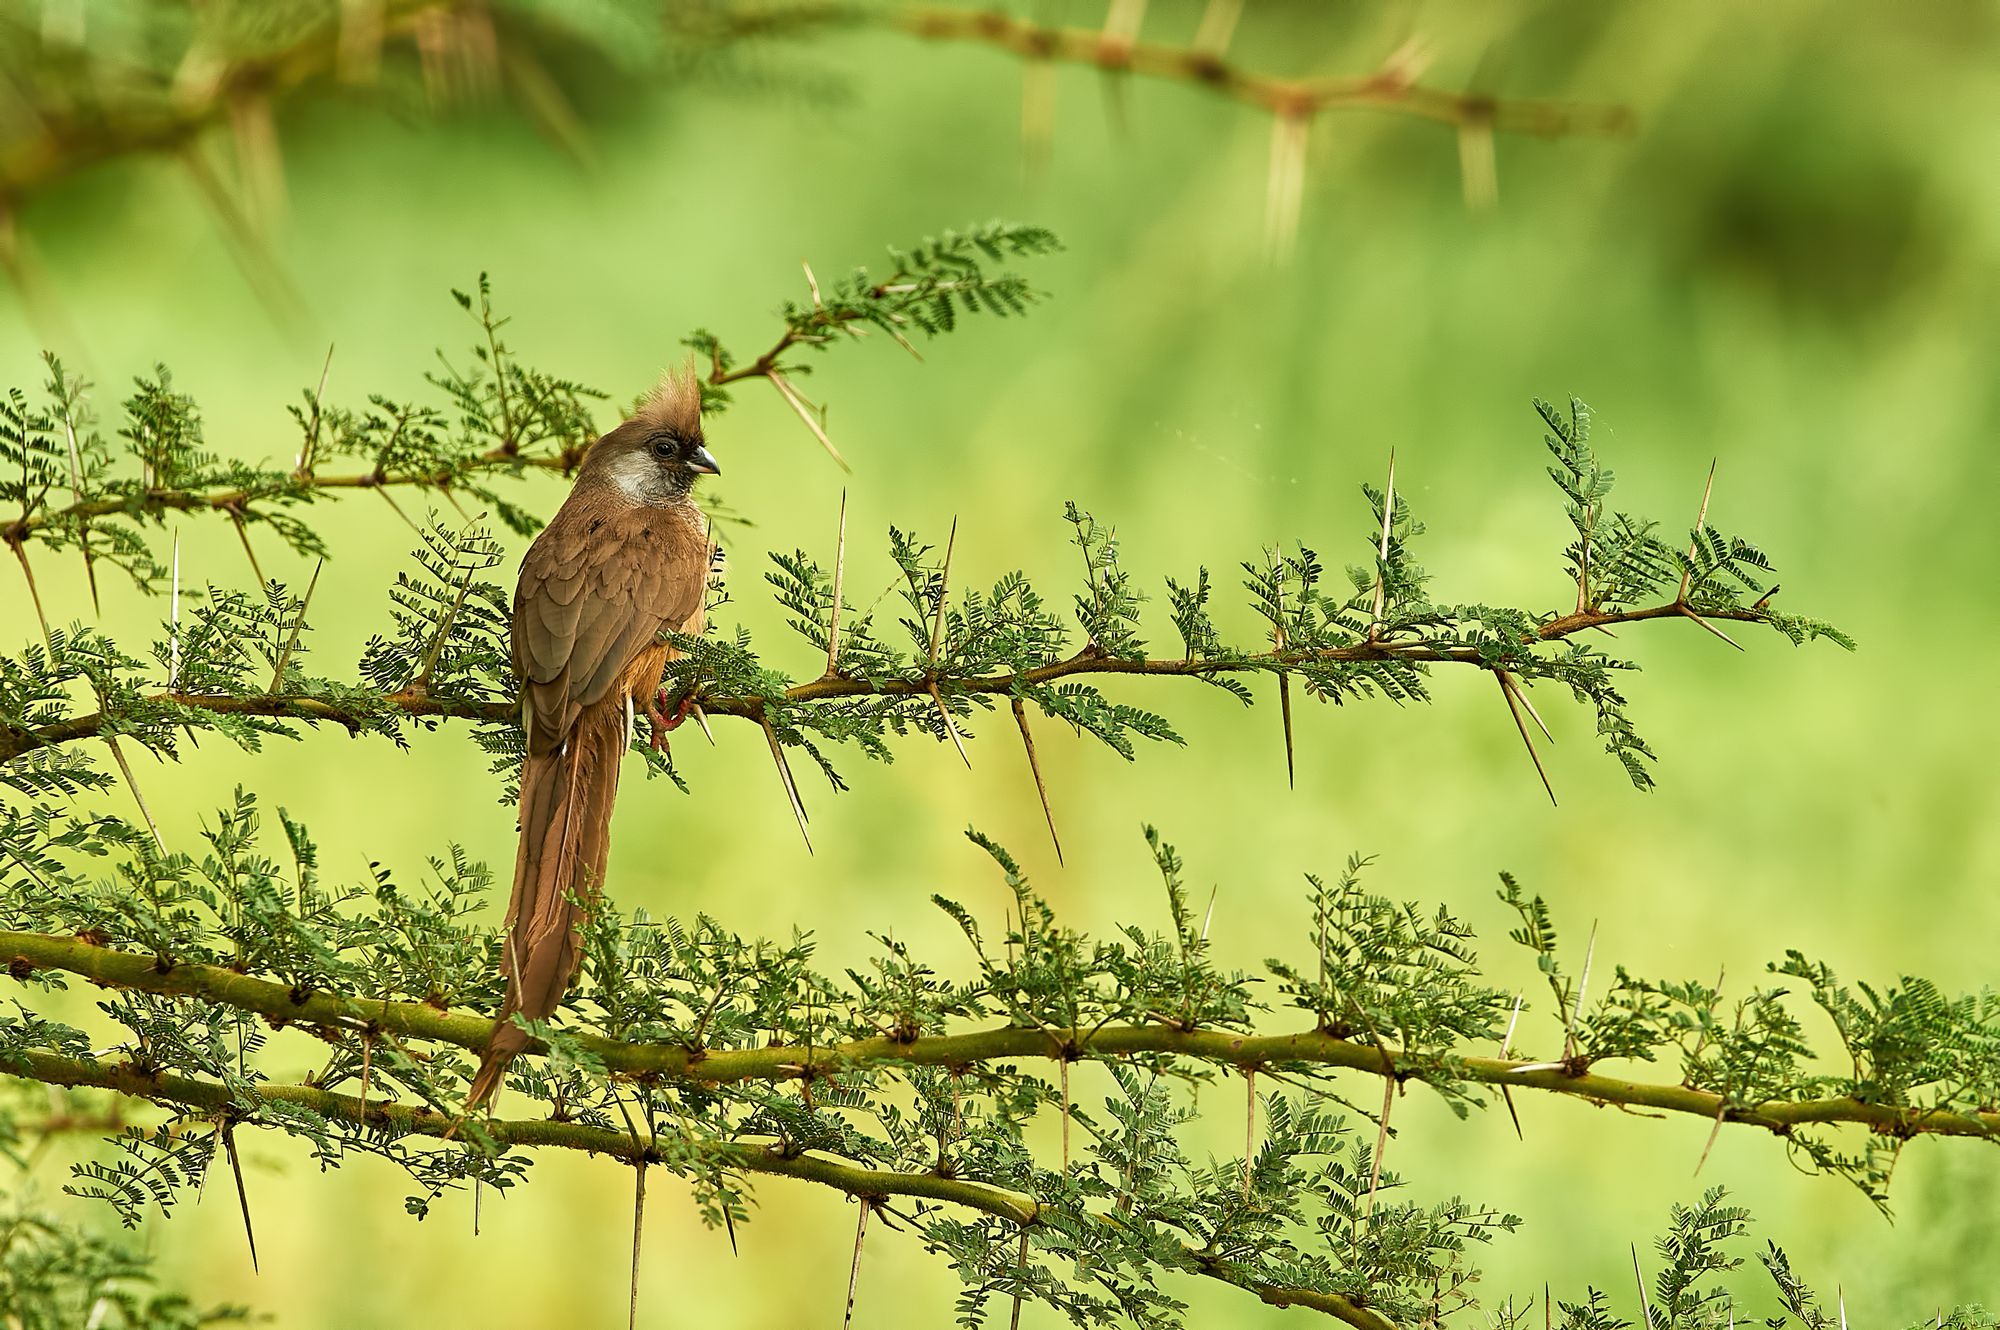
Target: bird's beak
x,y
703,463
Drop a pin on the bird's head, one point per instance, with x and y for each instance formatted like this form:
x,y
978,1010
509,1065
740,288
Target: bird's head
x,y
654,457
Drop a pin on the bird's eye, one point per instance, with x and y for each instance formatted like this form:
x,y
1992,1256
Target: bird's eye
x,y
663,447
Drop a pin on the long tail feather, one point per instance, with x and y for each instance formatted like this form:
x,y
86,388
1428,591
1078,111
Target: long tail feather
x,y
566,802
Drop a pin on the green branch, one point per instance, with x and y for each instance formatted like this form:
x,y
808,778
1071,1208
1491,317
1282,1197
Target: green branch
x,y
746,1156
415,1020
415,703
1392,90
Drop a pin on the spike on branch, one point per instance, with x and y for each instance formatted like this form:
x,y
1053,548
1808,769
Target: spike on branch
x,y
1507,691
292,638
1285,188
1218,27
1700,522
1020,1287
1506,1046
396,508
34,592
1249,1126
854,1266
807,413
1478,173
1035,770
1381,1143
236,519
1063,1074
950,728
174,620
839,570
1284,678
1382,566
242,1193
638,1238
944,585
302,467
785,778
1038,117
138,795
1688,613
1714,1131
1582,987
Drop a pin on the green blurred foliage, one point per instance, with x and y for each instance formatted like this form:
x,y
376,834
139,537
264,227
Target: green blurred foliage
x,y
1790,267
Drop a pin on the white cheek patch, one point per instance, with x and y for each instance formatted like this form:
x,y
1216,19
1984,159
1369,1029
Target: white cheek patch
x,y
637,478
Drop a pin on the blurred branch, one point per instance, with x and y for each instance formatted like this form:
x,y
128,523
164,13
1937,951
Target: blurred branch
x,y
71,137
211,87
28,952
1392,89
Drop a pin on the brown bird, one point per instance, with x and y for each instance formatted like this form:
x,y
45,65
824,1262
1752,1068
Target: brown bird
x,y
627,556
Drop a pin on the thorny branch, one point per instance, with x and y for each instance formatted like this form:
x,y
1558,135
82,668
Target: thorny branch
x,y
416,704
28,952
67,137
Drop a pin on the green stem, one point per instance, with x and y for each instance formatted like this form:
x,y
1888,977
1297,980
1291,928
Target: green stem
x,y
743,1155
416,1020
410,702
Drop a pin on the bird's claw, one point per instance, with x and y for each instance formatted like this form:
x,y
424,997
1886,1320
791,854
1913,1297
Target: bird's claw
x,y
662,721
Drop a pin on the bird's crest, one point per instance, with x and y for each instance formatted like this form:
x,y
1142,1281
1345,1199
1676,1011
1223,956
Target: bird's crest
x,y
675,402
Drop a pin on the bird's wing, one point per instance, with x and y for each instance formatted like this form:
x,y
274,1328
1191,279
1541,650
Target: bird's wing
x,y
596,588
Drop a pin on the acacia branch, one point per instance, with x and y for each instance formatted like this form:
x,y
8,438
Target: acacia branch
x,y
745,1155
28,952
751,1155
69,144
415,703
68,141
1389,90
155,501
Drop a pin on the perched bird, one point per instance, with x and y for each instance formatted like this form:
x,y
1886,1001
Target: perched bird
x,y
627,556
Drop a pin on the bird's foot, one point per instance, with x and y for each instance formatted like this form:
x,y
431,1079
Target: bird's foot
x,y
663,721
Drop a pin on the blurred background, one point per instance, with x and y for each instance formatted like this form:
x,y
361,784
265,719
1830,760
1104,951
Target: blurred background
x,y
1788,265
